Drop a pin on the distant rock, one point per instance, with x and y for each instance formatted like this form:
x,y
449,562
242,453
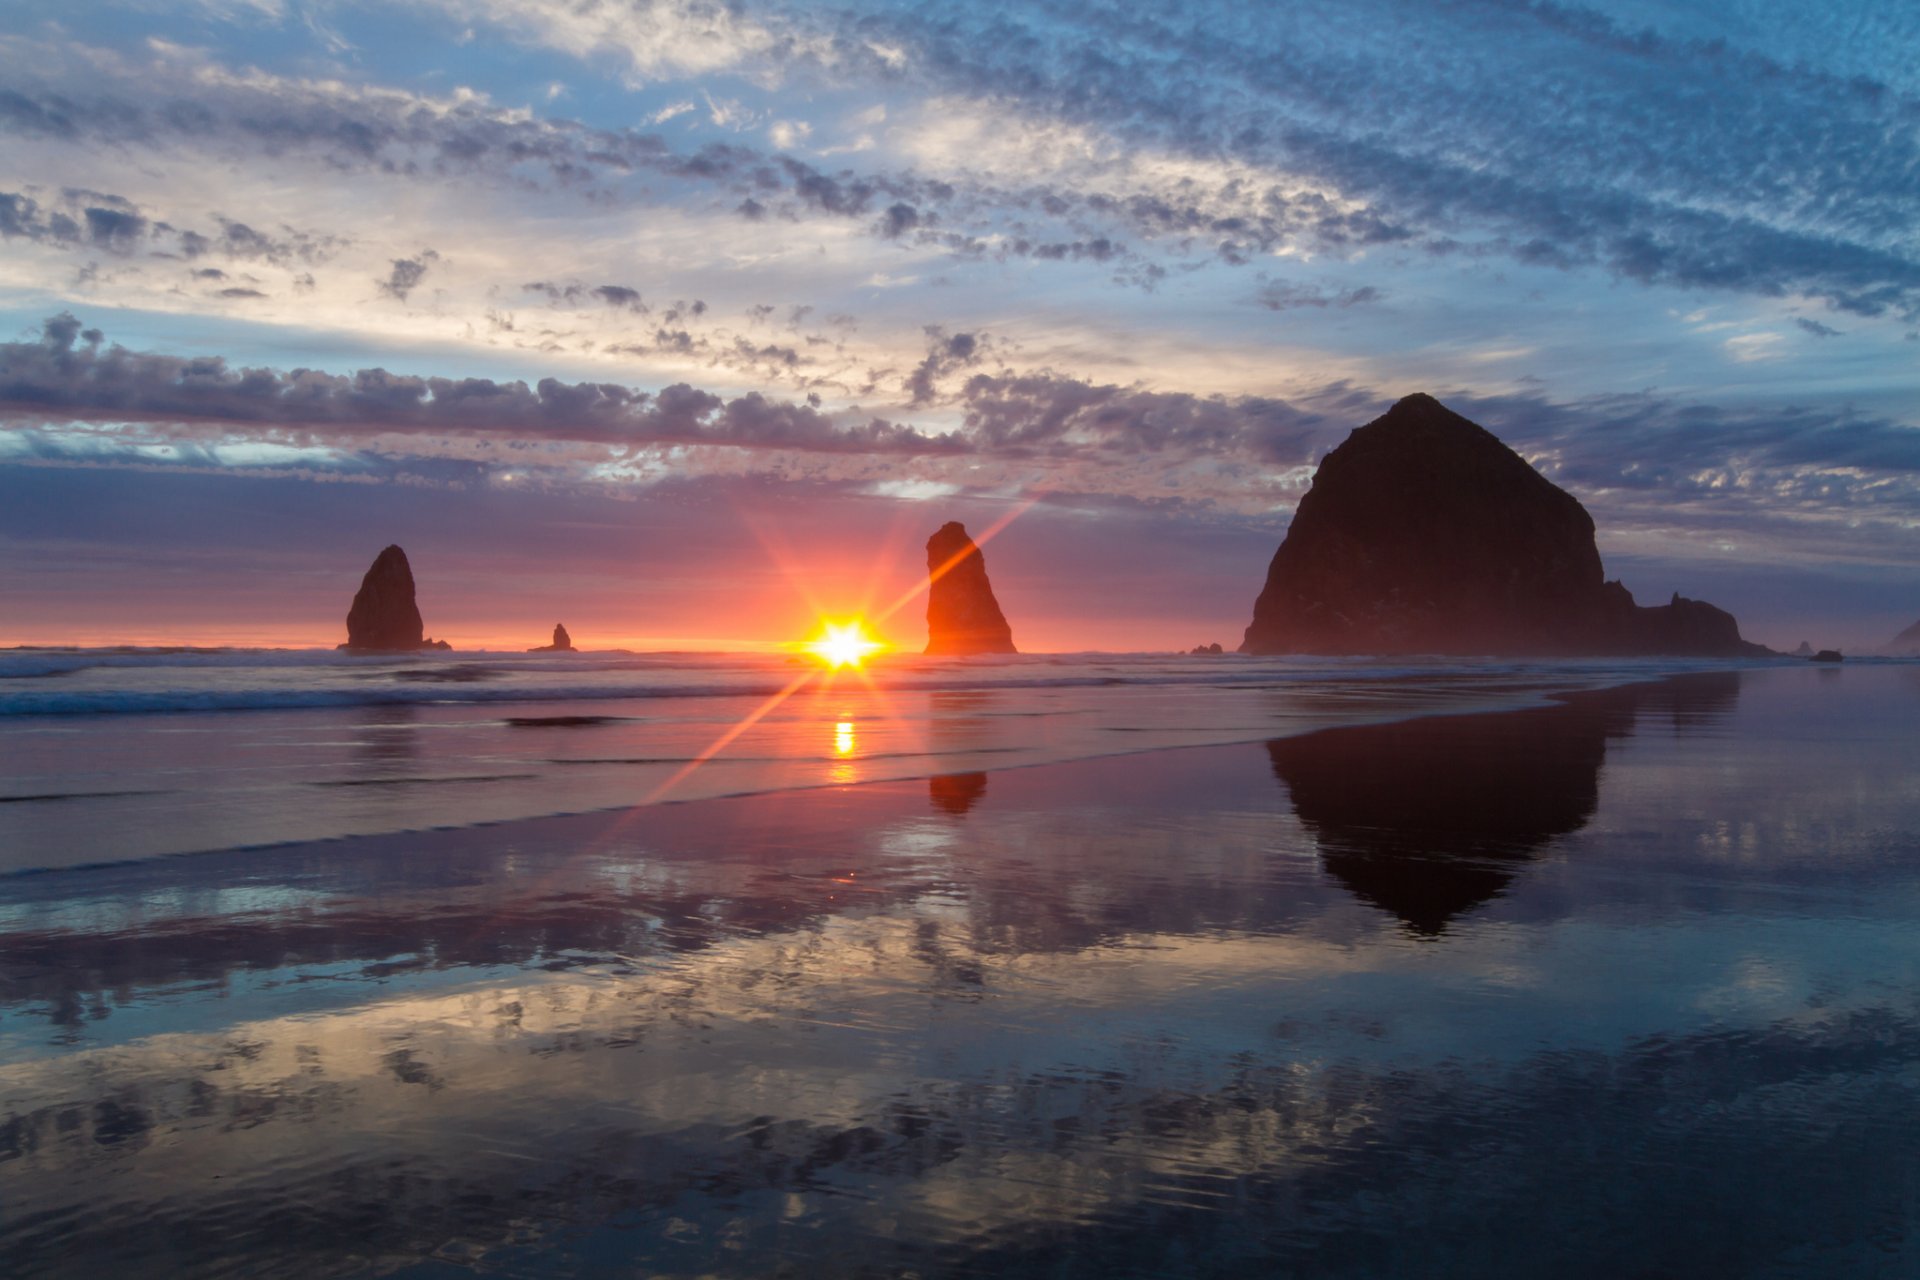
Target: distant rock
x,y
1829,655
1804,651
1906,644
962,615
1423,533
562,642
1206,649
384,617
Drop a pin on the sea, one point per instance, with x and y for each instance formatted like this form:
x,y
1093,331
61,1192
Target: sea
x,y
459,964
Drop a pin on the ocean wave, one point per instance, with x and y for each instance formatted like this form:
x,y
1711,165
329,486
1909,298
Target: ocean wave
x,y
105,682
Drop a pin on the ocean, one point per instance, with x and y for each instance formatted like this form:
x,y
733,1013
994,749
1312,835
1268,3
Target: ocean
x,y
1071,965
112,754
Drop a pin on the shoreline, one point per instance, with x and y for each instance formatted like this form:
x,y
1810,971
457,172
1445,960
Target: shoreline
x,y
1421,696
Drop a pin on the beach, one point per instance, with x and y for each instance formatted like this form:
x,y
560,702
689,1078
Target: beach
x,y
1520,969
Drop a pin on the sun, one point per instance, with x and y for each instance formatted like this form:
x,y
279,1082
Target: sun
x,y
843,644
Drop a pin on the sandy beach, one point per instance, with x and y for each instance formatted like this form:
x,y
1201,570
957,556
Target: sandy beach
x,y
1384,999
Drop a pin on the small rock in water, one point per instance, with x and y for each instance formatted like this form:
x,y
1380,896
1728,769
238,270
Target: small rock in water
x,y
562,642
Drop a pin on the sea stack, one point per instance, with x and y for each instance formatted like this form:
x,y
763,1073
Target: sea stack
x,y
1423,533
962,615
562,642
384,617
1906,644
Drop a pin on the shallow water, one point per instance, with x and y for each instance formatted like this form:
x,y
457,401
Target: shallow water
x,y
113,755
1625,985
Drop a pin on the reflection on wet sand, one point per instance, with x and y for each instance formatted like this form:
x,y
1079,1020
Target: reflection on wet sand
x,y
955,793
1428,819
1117,1021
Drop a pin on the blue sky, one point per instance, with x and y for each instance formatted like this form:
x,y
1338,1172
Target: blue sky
x,y
756,264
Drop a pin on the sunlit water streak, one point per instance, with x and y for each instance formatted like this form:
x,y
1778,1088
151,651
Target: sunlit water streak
x,y
1626,984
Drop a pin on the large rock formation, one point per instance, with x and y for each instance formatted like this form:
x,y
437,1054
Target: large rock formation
x,y
384,617
1423,533
962,615
1907,643
562,642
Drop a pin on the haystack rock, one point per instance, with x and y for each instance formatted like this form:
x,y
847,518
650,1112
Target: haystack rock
x,y
384,616
1804,651
1906,644
962,615
1423,533
562,642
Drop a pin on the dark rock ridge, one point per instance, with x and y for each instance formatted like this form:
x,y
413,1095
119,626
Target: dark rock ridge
x,y
1907,643
962,615
384,617
562,642
1423,533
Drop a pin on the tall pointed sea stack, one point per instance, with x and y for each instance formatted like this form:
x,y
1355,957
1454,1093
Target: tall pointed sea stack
x,y
384,616
1423,533
962,615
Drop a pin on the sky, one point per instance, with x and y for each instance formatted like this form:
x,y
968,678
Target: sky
x,y
684,323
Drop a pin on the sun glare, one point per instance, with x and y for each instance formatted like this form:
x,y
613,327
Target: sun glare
x,y
843,644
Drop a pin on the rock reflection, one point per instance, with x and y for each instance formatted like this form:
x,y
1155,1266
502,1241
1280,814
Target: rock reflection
x,y
955,793
1428,819
388,741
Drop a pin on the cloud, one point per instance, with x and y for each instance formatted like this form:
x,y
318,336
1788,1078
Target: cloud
x,y
1284,295
407,274
1817,329
1544,135
1802,482
67,376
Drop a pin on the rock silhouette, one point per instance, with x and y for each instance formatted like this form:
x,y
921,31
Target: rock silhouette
x,y
1907,643
384,617
962,615
562,642
1804,651
1423,533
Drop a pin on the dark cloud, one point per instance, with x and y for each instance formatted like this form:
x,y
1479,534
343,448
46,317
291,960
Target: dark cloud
x,y
945,353
66,376
1817,329
620,296
898,220
98,220
407,274
1284,295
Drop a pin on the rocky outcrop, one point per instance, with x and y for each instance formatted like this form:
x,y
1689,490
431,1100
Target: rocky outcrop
x,y
384,617
1804,651
1907,643
1423,533
962,615
562,642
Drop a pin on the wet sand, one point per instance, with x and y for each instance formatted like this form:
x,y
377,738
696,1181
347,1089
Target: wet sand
x,y
1628,984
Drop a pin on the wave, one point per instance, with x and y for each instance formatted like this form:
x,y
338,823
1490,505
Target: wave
x,y
104,682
